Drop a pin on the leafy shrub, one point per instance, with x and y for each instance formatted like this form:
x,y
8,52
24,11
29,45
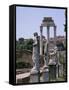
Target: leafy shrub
x,y
20,65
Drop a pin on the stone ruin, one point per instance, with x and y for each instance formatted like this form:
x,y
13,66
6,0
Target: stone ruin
x,y
47,51
49,70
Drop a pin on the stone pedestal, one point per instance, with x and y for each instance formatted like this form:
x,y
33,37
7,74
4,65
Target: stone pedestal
x,y
52,72
34,76
52,68
45,74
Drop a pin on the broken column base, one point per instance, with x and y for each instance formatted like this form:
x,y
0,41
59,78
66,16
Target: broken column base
x,y
52,72
34,76
45,74
60,70
57,71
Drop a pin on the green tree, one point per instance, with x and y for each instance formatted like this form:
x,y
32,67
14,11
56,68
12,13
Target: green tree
x,y
21,40
24,44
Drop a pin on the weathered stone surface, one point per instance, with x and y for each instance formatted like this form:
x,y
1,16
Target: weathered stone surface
x,y
45,74
41,41
34,74
34,77
49,56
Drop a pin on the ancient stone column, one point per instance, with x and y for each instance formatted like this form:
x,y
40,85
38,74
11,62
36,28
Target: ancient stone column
x,y
56,57
55,35
48,33
41,41
35,72
48,44
45,70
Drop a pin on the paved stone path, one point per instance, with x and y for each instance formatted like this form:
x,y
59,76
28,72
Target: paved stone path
x,y
24,75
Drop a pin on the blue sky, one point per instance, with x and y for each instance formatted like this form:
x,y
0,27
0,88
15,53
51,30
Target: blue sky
x,y
28,21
